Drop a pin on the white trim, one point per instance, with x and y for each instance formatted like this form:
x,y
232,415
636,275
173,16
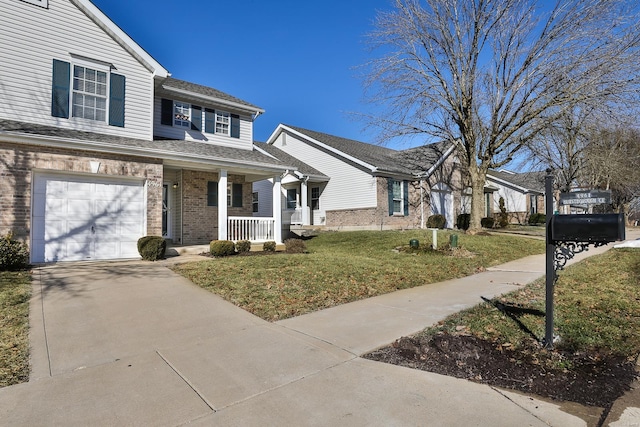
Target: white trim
x,y
510,184
121,37
282,127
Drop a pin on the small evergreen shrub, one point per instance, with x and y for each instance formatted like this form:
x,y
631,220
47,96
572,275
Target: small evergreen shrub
x,y
436,221
487,222
269,246
14,255
295,246
220,248
537,218
243,246
503,220
463,221
152,248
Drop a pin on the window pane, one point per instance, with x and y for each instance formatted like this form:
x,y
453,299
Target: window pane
x,y
102,77
397,189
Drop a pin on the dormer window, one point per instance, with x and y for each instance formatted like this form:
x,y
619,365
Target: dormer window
x,y
222,122
181,114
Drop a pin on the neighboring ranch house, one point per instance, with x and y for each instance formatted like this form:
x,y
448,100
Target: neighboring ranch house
x,y
523,194
343,184
100,146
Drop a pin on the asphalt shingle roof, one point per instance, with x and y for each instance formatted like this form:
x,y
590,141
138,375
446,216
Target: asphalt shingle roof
x,y
288,159
533,181
409,162
170,82
199,151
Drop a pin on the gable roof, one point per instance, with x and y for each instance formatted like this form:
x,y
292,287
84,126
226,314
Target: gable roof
x,y
302,168
170,150
524,181
206,93
381,160
122,38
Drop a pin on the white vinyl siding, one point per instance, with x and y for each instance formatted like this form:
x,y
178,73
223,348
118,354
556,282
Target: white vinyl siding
x,y
264,189
174,132
349,187
62,31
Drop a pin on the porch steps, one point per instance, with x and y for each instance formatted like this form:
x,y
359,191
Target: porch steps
x,y
305,230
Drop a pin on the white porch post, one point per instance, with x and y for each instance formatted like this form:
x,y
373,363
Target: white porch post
x,y
305,202
222,205
277,209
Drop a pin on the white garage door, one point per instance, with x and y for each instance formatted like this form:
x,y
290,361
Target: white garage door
x,y
86,218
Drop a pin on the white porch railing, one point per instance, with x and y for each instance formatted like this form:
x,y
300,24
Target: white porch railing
x,y
296,217
254,229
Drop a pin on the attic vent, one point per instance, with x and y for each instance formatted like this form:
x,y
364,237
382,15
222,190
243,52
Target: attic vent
x,y
284,139
41,3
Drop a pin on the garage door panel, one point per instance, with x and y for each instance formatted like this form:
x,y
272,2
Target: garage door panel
x,y
78,218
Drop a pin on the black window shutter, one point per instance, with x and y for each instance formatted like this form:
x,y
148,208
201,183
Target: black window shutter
x,y
116,100
196,117
209,120
212,193
390,191
166,112
405,197
236,195
60,89
235,126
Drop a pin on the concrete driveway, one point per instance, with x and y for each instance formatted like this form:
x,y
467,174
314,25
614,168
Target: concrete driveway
x,y
132,343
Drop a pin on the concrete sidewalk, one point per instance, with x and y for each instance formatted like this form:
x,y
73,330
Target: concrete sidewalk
x,y
132,343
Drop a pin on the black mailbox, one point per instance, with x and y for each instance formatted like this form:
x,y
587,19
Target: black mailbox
x,y
587,228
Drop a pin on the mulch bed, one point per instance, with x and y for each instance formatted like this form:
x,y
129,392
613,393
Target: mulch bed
x,y
593,379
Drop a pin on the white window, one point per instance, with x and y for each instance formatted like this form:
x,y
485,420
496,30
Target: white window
x,y
181,114
89,93
222,122
292,198
398,201
255,201
315,198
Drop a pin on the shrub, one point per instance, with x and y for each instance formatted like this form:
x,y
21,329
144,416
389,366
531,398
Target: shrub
x,y
436,221
487,222
269,246
14,255
221,248
463,221
295,246
152,248
243,246
503,220
537,218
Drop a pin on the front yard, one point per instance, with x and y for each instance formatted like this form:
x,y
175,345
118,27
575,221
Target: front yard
x,y
15,291
346,266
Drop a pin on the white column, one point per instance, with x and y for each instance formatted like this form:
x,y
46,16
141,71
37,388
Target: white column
x,y
304,192
222,205
277,209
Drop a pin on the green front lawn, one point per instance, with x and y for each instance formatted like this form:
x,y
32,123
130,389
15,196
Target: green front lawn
x,y
346,266
15,291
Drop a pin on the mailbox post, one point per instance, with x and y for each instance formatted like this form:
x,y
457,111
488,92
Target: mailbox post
x,y
567,235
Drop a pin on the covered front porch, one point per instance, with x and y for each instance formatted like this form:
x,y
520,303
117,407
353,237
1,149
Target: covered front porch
x,y
200,205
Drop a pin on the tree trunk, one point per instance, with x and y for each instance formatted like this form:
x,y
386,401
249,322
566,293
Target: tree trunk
x,y
478,180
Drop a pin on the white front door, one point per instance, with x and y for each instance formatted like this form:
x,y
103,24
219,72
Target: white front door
x,y
86,218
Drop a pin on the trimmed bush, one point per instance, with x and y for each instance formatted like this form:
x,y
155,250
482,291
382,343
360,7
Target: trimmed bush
x,y
436,221
463,221
487,222
152,248
243,246
269,246
220,248
14,255
537,218
295,246
503,221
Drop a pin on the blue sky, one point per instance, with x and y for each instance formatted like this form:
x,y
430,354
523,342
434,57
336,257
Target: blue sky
x,y
296,59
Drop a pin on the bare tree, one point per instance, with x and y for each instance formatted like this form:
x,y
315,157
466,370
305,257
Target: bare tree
x,y
492,74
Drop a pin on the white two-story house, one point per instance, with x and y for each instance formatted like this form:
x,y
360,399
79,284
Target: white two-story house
x,y
100,146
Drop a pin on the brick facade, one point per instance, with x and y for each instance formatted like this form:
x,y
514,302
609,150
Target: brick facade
x,y
17,165
199,221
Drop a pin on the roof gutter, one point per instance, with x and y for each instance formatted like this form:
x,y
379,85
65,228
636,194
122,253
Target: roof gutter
x,y
104,147
254,110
